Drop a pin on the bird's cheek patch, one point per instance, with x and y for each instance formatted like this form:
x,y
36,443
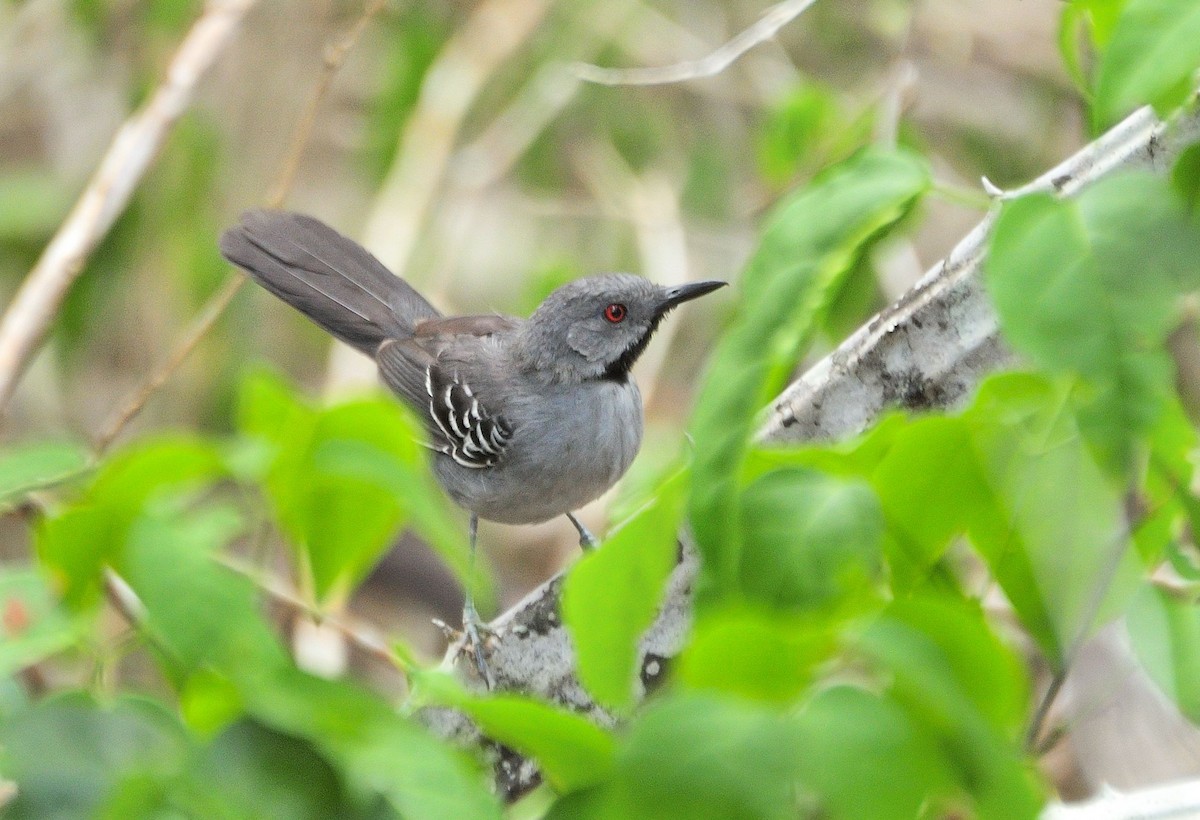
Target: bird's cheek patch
x,y
589,342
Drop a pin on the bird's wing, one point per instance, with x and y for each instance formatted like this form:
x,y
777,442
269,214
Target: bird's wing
x,y
424,371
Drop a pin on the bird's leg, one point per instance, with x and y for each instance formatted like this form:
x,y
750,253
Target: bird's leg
x,y
586,539
473,626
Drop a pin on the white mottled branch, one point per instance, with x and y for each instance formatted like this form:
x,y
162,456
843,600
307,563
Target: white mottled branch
x,y
934,345
133,149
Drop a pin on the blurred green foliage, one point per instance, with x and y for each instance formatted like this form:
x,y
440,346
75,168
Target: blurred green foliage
x,y
842,662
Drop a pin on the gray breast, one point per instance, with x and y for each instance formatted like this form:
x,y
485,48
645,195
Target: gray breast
x,y
567,448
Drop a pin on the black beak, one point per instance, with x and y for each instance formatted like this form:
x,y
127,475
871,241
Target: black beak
x,y
685,293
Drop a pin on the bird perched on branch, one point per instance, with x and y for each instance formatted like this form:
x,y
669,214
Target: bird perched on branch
x,y
530,418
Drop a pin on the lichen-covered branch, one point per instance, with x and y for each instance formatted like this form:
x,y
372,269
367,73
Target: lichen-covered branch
x,y
934,345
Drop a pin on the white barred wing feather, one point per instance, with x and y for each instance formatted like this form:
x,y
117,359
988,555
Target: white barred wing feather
x,y
473,437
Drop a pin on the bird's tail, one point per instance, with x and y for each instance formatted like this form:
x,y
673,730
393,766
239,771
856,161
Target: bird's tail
x,y
329,278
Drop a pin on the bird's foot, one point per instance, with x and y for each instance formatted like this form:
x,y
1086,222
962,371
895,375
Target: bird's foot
x,y
586,540
472,639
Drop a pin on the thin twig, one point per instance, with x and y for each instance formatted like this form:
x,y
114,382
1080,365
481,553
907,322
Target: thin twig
x,y
209,315
214,308
335,58
493,153
359,633
135,146
1043,709
123,598
710,65
891,106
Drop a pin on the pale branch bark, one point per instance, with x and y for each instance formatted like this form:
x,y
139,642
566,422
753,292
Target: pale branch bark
x,y
929,350
1172,800
766,27
219,301
133,149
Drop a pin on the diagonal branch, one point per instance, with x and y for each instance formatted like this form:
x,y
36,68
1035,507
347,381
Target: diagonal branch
x,y
767,26
941,338
135,146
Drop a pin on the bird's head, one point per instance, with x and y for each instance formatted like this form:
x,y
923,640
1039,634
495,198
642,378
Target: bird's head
x,y
596,328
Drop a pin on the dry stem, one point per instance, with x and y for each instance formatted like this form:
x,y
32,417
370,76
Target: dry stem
x,y
767,26
135,146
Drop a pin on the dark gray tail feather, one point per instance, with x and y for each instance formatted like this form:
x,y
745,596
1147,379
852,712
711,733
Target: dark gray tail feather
x,y
329,278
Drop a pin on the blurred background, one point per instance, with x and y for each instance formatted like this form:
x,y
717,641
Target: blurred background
x,y
457,143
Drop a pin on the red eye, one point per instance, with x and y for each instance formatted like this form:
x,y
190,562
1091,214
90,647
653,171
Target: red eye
x,y
614,313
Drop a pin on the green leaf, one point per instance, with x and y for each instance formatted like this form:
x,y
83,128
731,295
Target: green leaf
x,y
1054,536
343,481
76,542
376,749
250,771
711,757
573,752
698,757
1089,286
958,644
1152,58
868,759
410,482
31,466
168,561
933,458
73,547
1165,632
31,624
1099,18
812,241
1012,473
152,468
1168,499
1185,176
68,756
1070,26
809,540
755,655
799,132
71,757
958,682
612,595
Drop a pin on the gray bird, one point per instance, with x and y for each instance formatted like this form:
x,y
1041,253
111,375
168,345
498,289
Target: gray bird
x,y
530,419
